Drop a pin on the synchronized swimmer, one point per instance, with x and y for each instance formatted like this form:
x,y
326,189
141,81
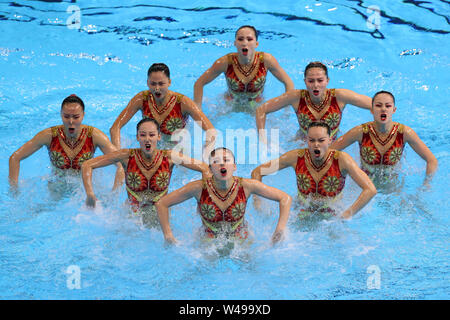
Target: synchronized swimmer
x,y
320,168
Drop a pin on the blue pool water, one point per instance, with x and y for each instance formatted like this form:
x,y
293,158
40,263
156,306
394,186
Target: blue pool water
x,y
400,239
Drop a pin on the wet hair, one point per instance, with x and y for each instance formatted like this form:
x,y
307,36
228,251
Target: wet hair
x,y
161,67
250,27
144,120
380,92
213,153
73,98
316,64
320,124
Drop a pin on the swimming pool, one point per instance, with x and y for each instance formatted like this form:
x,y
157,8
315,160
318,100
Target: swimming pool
x,y
395,248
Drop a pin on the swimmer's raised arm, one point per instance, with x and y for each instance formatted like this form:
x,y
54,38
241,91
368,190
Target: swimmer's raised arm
x,y
218,67
346,96
98,162
273,66
275,104
42,138
188,106
289,159
348,165
256,187
133,106
191,190
422,150
101,140
353,135
190,163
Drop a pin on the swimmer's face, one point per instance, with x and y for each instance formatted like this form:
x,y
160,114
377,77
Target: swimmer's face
x,y
245,42
383,108
158,83
72,115
148,137
316,82
222,165
318,142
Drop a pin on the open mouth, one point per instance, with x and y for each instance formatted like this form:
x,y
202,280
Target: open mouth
x,y
148,147
223,172
317,152
316,92
245,51
383,117
158,95
71,130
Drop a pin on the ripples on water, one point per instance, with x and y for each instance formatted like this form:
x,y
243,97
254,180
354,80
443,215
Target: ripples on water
x,y
105,61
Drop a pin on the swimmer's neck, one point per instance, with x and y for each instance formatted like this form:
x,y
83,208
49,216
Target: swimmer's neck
x,y
148,157
319,162
245,60
223,185
383,127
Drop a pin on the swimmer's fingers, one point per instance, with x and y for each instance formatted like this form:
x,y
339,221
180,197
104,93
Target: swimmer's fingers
x,y
90,201
171,241
346,215
277,236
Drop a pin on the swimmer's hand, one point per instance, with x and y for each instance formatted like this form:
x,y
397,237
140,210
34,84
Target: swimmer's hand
x,y
347,215
206,174
90,201
171,240
277,236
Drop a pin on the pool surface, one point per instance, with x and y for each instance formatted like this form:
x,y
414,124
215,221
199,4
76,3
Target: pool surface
x,y
53,247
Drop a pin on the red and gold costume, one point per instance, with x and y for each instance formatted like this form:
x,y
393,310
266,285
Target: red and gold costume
x,y
249,82
67,155
329,185
169,117
328,111
147,182
231,220
371,143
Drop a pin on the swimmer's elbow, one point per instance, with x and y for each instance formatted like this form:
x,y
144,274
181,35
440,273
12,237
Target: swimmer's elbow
x,y
372,191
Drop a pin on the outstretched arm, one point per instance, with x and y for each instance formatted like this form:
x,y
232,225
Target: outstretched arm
x,y
42,138
133,106
348,138
209,75
422,150
190,190
188,106
258,188
348,165
190,163
98,162
289,159
275,104
346,96
106,146
279,73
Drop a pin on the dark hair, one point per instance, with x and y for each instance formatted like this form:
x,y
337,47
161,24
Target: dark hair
x,y
380,92
316,64
159,67
73,98
144,120
250,27
320,124
213,153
